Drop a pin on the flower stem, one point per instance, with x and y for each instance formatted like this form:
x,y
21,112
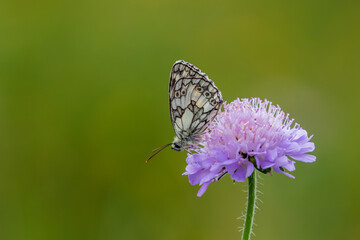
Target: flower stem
x,y
250,211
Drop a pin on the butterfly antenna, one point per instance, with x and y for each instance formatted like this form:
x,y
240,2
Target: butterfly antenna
x,y
159,149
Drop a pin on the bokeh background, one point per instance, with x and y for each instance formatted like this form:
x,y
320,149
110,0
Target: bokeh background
x,y
83,101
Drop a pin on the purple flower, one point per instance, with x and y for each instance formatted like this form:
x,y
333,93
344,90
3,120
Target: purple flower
x,y
249,134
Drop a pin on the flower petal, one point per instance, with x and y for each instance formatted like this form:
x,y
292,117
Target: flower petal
x,y
304,158
203,188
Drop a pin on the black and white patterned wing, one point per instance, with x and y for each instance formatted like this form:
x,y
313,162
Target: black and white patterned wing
x,y
193,98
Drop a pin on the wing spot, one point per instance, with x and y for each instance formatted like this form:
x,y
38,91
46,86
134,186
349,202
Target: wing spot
x,y
177,94
183,92
213,102
207,94
199,89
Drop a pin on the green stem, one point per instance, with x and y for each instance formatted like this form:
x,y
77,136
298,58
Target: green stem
x,y
250,211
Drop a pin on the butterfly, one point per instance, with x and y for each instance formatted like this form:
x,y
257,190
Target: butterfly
x,y
194,102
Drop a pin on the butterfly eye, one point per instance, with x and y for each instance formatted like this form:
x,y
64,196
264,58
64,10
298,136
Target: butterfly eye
x,y
200,89
176,147
207,94
183,92
177,94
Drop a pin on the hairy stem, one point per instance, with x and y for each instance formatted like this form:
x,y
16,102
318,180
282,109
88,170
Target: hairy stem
x,y
250,211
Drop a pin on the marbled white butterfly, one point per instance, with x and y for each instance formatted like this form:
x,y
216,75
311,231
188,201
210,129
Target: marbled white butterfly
x,y
194,101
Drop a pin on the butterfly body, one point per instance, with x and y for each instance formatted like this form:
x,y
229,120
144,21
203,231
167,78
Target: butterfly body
x,y
180,144
194,101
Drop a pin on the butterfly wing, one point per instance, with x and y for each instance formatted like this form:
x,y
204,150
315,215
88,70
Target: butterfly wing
x,y
193,98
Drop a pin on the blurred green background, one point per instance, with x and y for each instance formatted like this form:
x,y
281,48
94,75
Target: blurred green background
x,y
83,101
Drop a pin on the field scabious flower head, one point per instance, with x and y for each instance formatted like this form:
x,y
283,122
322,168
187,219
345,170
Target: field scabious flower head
x,y
249,134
